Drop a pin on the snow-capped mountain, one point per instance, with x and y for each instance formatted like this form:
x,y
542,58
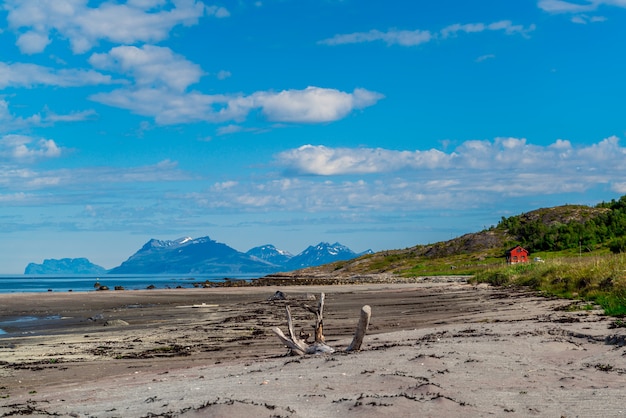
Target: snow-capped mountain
x,y
157,243
270,254
322,253
189,256
206,256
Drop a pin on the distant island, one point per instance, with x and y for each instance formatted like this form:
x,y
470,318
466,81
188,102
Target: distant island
x,y
65,266
202,256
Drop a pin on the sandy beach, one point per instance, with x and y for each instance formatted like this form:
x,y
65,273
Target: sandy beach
x,y
434,348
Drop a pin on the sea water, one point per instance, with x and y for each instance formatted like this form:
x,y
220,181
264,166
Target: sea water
x,y
80,283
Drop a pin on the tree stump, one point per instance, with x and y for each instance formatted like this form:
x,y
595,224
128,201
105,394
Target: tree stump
x,y
300,347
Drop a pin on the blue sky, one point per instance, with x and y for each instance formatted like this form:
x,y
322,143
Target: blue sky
x,y
378,124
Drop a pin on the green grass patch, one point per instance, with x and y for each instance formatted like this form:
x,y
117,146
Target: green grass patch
x,y
599,279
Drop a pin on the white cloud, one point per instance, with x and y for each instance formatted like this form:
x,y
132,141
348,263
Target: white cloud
x,y
467,28
311,105
339,180
417,37
70,117
145,4
30,75
168,107
388,180
219,12
324,161
583,19
485,57
20,148
223,75
10,122
400,37
561,6
102,181
84,26
505,26
230,129
581,7
223,186
150,66
619,187
32,42
510,29
500,155
606,151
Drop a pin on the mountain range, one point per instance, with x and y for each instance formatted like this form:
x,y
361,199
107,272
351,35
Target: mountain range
x,y
202,256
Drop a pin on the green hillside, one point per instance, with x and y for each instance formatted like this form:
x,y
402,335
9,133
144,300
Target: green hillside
x,y
583,248
566,230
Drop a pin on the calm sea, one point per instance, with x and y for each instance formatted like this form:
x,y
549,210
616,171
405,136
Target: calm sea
x,y
77,283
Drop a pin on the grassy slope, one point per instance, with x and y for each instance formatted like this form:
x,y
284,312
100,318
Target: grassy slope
x,y
596,278
595,275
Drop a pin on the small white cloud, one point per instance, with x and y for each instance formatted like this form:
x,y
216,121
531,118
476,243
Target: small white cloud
x,y
453,30
313,104
145,4
485,57
223,185
84,26
324,161
223,75
561,6
503,25
70,117
229,129
604,151
150,65
13,197
10,122
90,210
391,37
619,187
171,107
595,19
29,75
219,12
583,19
580,8
32,42
418,37
19,148
510,29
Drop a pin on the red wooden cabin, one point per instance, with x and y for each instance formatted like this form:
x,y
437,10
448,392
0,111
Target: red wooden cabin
x,y
517,255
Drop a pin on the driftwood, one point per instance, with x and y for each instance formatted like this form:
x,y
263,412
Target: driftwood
x,y
299,346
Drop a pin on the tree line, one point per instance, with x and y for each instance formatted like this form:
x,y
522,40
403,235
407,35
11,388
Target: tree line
x,y
606,228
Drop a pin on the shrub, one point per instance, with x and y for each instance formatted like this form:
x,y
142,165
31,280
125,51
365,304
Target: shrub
x,y
618,245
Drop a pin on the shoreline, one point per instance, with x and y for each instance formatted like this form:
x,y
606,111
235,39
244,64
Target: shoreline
x,y
433,348
88,283
9,324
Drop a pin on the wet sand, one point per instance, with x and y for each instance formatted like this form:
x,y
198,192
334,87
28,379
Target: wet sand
x,y
434,348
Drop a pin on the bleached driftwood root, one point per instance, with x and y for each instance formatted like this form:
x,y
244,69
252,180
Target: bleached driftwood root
x,y
361,329
300,347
